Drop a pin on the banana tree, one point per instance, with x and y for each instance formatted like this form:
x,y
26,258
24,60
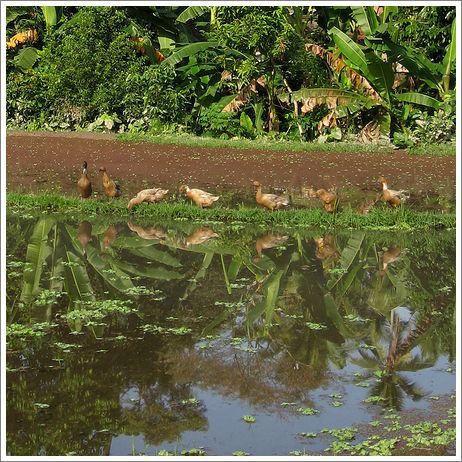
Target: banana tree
x,y
375,62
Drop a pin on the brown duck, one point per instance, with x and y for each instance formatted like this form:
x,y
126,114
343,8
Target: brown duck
x,y
111,189
84,183
328,198
199,197
394,198
270,201
148,195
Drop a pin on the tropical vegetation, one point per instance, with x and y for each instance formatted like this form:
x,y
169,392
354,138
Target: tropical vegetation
x,y
359,73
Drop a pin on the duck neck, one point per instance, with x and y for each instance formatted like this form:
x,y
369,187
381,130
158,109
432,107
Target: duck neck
x,y
258,195
384,185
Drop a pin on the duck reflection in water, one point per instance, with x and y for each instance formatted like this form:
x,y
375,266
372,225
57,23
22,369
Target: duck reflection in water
x,y
84,235
149,233
326,250
389,257
268,242
199,236
109,236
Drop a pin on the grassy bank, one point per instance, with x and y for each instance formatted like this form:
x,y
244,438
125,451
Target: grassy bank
x,y
267,144
379,218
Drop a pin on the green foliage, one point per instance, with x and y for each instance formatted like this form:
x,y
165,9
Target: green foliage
x,y
213,122
97,68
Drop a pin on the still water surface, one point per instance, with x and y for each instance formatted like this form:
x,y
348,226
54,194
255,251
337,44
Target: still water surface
x,y
152,337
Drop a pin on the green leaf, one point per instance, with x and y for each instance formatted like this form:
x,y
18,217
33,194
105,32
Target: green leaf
x,y
387,11
418,98
449,58
37,252
192,12
384,121
26,58
246,122
350,50
13,12
52,15
366,18
379,73
165,42
188,51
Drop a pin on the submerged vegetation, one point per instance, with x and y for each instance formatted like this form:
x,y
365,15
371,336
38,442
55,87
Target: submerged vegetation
x,y
379,218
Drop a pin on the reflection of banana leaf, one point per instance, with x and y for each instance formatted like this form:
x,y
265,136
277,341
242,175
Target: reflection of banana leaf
x,y
332,312
200,274
76,280
147,272
234,268
132,242
114,276
225,275
38,251
162,256
348,255
383,296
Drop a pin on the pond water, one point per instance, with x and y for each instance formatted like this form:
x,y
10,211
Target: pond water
x,y
135,338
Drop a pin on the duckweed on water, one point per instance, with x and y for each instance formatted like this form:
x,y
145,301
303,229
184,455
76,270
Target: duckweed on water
x,y
307,411
249,419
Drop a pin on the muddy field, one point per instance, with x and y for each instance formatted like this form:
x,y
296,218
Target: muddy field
x,y
52,161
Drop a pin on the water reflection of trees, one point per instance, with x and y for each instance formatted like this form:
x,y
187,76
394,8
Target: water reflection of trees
x,y
301,303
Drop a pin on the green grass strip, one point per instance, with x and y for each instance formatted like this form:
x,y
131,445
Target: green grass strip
x,y
270,144
379,218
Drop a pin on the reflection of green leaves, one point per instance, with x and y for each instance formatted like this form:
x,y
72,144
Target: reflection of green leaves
x,y
113,276
76,281
347,257
152,253
38,251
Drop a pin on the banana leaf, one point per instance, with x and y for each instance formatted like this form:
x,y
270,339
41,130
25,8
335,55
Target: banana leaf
x,y
52,15
26,58
366,18
449,58
418,98
192,12
188,51
379,73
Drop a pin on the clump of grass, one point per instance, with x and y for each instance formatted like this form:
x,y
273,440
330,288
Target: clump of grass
x,y
443,149
381,218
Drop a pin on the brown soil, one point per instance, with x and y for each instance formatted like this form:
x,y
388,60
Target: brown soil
x,y
43,161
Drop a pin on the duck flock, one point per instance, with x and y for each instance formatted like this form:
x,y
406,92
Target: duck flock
x,y
329,199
